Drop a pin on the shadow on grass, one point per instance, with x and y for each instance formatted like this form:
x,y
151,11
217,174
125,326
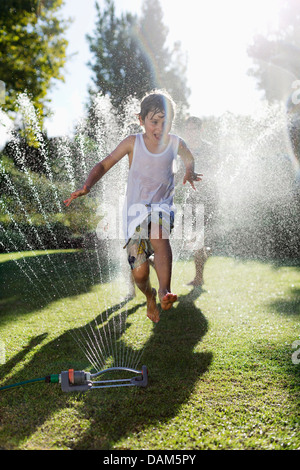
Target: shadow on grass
x,y
174,368
32,282
289,305
38,401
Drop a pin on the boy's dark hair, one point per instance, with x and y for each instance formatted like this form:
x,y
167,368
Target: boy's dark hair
x,y
157,101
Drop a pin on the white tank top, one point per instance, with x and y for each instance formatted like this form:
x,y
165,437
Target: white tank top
x,y
150,183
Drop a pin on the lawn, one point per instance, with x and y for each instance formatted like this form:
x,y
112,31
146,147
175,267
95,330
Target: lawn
x,y
223,373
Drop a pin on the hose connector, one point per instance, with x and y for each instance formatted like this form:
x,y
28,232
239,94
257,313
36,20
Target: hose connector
x,y
75,381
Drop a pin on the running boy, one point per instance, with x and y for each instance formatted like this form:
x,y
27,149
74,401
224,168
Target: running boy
x,y
148,210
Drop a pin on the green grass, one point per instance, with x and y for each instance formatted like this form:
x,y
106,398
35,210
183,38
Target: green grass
x,y
221,374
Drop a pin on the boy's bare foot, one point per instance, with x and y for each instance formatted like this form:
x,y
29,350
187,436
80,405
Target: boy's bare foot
x,y
167,299
196,282
152,310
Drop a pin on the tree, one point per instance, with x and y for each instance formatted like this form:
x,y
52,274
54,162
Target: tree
x,y
276,56
276,59
168,68
131,56
115,53
32,50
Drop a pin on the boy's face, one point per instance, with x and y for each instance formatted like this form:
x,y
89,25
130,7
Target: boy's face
x,y
157,126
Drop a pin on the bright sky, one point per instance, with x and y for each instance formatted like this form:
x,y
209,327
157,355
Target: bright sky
x,y
215,35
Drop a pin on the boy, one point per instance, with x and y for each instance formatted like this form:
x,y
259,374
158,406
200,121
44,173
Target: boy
x,y
148,211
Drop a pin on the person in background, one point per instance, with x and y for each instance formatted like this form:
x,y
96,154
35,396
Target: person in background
x,y
207,194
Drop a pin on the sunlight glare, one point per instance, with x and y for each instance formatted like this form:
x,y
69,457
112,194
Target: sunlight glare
x,y
216,35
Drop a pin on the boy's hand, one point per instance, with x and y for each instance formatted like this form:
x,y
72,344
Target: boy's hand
x,y
80,192
191,177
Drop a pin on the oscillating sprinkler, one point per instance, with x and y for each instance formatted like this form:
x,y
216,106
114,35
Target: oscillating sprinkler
x,y
80,381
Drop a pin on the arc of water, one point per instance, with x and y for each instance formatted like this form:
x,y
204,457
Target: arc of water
x,y
27,110
17,198
104,346
99,345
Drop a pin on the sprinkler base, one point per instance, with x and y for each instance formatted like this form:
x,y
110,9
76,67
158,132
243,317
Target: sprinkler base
x,y
80,381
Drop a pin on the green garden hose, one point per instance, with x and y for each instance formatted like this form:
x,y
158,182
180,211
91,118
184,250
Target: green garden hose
x,y
80,381
53,378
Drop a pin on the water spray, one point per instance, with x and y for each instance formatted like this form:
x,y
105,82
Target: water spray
x,y
80,381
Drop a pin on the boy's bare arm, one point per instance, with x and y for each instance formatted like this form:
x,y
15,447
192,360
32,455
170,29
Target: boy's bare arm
x,y
99,170
189,163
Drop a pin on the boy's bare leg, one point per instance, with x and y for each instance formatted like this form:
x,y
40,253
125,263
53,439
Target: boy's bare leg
x,y
131,282
142,280
200,259
163,267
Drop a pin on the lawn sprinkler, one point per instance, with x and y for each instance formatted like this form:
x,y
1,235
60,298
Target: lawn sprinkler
x,y
80,381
